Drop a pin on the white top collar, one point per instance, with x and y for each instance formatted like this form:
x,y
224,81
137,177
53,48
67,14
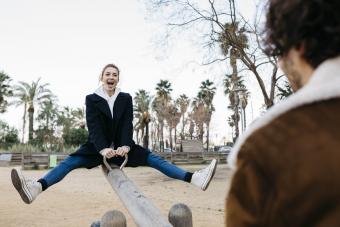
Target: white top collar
x,y
110,100
323,85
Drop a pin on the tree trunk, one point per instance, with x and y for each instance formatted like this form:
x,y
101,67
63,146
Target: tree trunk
x,y
146,137
232,133
175,139
183,125
244,118
208,136
142,136
170,139
152,137
237,119
201,131
47,120
242,122
30,122
137,135
24,124
162,138
159,137
247,61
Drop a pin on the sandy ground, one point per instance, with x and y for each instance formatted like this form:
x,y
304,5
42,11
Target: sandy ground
x,y
85,195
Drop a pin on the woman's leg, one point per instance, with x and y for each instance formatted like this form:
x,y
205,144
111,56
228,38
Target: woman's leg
x,y
201,178
167,168
70,163
29,189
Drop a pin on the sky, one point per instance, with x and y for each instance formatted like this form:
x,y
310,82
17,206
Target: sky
x,y
67,43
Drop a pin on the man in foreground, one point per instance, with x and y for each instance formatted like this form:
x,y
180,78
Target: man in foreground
x,y
287,165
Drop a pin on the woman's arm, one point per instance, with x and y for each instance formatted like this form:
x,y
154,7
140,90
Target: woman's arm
x,y
96,134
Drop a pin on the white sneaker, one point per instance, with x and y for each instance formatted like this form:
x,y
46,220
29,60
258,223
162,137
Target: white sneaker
x,y
202,178
28,189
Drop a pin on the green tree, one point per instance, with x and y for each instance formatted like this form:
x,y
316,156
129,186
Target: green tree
x,y
197,116
44,138
142,101
70,119
8,135
172,118
206,95
183,102
65,119
160,106
5,91
236,90
79,120
164,89
75,136
48,113
218,26
238,101
30,95
12,136
47,119
284,91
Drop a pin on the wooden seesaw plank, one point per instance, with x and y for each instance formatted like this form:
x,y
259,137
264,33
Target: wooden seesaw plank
x,y
142,210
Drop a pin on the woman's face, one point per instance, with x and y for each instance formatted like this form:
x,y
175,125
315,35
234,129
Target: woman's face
x,y
110,79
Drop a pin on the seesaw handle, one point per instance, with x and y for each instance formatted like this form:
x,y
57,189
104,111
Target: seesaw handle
x,y
121,166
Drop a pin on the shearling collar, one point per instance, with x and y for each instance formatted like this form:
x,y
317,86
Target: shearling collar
x,y
323,85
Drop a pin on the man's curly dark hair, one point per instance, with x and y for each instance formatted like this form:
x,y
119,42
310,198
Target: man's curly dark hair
x,y
313,25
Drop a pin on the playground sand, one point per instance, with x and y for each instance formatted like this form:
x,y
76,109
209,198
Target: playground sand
x,y
85,195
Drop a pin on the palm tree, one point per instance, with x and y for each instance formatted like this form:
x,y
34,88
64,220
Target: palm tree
x,y
158,108
142,112
21,99
164,89
233,37
5,91
235,88
47,117
191,126
172,118
78,115
30,95
244,95
48,112
160,104
197,116
65,118
284,91
206,94
175,121
183,102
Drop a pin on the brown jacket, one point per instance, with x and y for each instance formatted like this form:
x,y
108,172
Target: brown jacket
x,y
287,167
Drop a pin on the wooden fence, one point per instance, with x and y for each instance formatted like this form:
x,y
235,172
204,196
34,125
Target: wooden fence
x,y
193,157
43,160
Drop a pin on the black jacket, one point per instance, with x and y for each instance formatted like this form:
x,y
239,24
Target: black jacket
x,y
105,130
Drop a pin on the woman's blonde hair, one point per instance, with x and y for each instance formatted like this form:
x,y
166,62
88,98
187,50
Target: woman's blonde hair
x,y
108,66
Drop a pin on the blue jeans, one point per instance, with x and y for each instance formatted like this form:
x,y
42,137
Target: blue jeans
x,y
74,162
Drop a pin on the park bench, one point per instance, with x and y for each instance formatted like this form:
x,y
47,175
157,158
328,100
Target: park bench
x,y
35,161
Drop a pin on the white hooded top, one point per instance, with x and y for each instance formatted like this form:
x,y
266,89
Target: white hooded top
x,y
110,99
